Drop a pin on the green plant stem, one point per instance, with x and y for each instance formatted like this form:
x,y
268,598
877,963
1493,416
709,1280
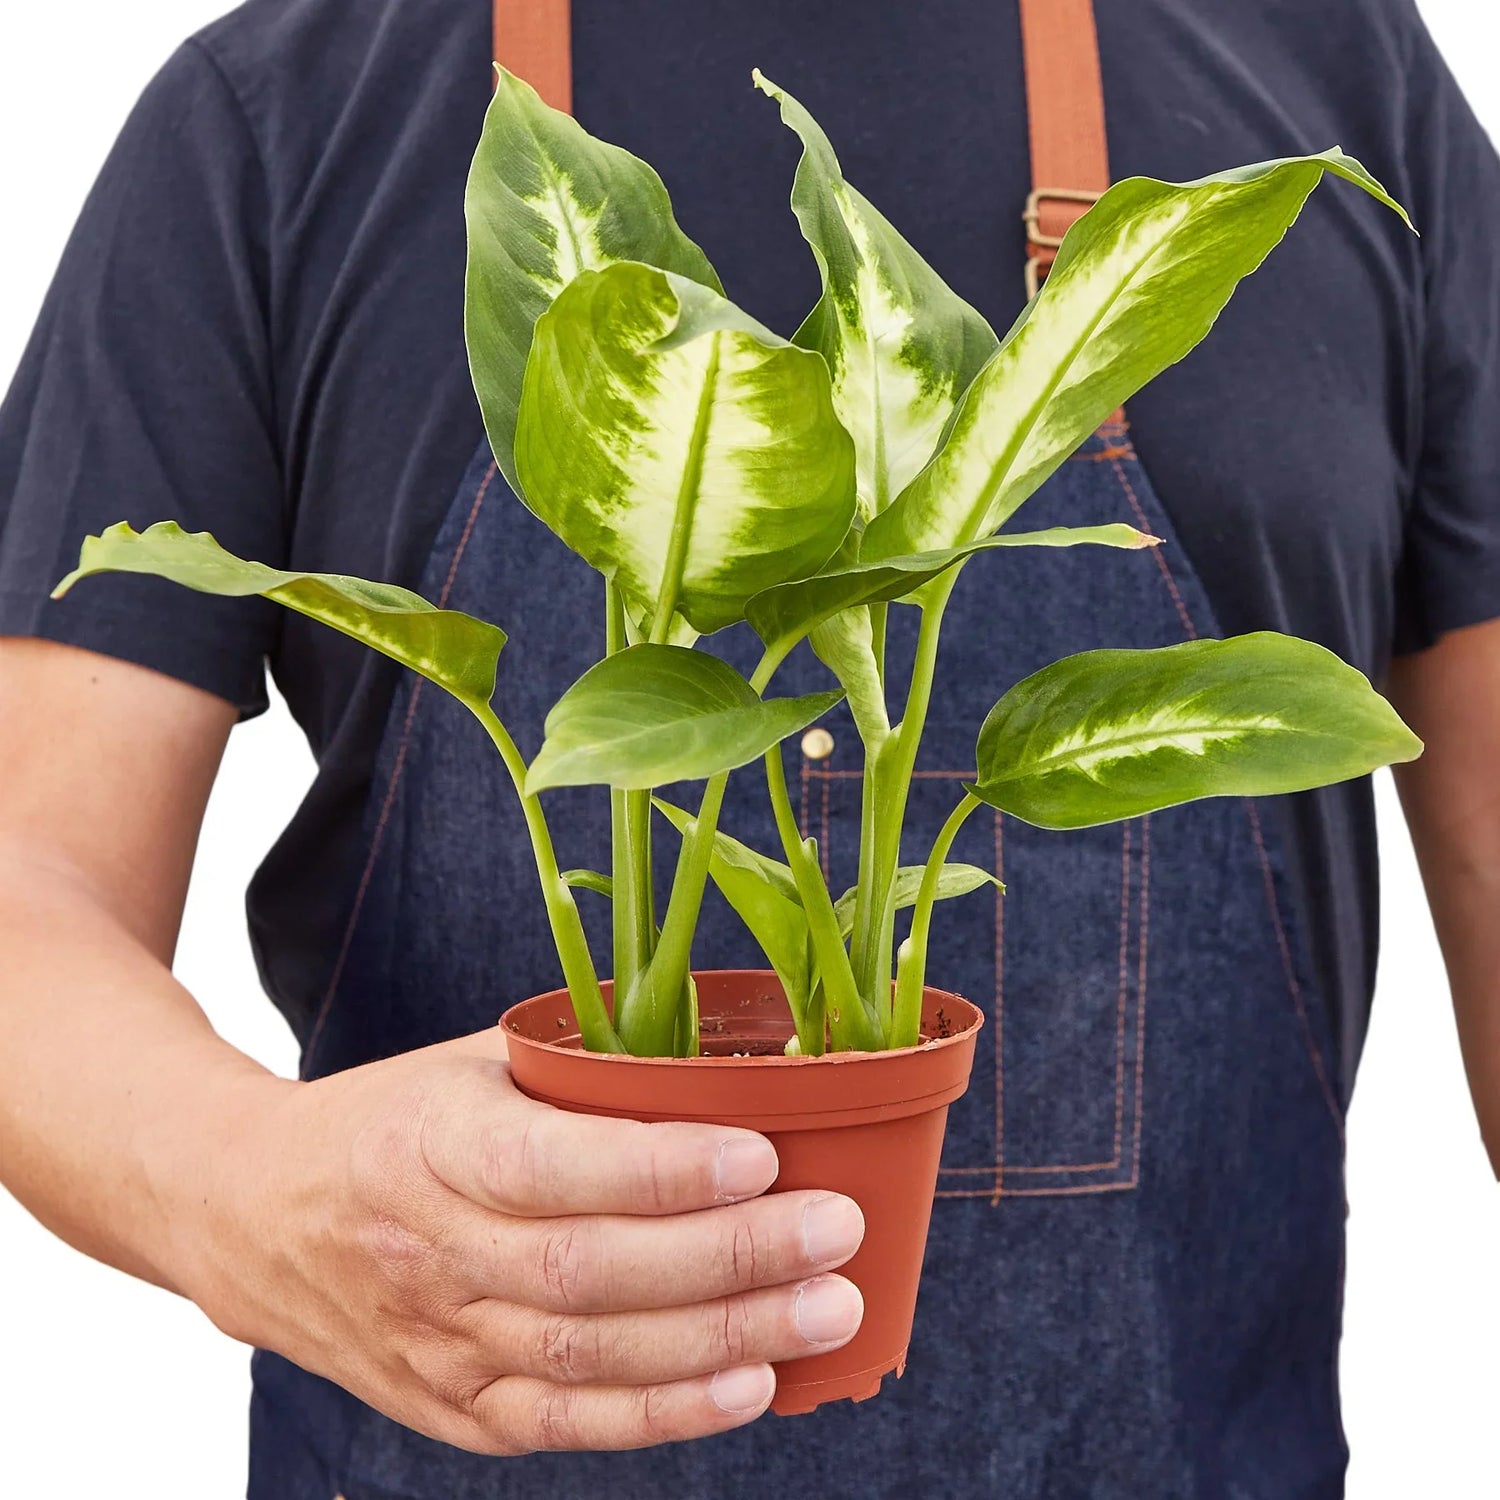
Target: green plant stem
x,y
906,1020
862,949
626,928
893,771
630,844
562,911
640,878
649,1020
647,1015
852,1022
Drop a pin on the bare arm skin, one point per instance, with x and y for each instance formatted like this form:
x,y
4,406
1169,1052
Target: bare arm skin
x,y
495,1273
1450,695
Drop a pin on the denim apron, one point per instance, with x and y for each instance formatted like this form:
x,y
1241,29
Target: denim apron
x,y
1132,1285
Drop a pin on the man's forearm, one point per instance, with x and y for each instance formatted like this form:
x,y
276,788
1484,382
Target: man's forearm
x,y
118,1101
1462,880
1450,694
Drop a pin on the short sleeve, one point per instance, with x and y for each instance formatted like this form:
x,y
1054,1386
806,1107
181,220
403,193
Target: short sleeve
x,y
1451,564
145,394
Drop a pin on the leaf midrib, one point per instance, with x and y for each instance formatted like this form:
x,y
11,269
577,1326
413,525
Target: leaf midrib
x,y
1217,728
685,509
554,184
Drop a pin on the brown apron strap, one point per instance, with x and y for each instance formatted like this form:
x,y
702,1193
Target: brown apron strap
x,y
1069,150
1064,93
534,39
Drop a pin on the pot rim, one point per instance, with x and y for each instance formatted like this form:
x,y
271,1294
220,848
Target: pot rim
x,y
565,1043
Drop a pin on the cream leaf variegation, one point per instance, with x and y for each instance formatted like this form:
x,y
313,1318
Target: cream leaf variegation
x,y
545,202
901,345
1112,734
1138,282
684,450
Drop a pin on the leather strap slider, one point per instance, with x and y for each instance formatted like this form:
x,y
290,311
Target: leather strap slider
x,y
1035,234
1050,213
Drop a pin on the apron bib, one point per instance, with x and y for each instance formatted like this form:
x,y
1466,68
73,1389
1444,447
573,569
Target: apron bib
x,y
1133,1277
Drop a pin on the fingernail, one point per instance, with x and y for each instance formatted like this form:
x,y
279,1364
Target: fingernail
x,y
832,1228
828,1310
746,1166
742,1390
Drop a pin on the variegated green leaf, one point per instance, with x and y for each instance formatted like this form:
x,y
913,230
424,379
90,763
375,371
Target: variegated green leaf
x,y
1112,734
901,344
545,201
454,650
650,715
954,880
681,448
1138,282
789,611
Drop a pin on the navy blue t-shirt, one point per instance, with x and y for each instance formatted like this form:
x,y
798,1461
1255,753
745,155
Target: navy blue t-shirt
x,y
257,329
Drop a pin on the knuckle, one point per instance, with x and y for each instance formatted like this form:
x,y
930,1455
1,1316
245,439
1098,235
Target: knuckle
x,y
399,1256
733,1332
568,1258
570,1350
748,1254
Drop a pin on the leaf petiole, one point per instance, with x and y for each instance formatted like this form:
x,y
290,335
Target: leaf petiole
x,y
562,911
906,1018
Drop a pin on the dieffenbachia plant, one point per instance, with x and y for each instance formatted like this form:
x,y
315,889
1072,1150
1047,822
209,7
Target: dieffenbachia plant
x,y
713,471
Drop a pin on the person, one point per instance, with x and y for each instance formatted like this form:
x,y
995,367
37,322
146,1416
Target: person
x,y
1133,1278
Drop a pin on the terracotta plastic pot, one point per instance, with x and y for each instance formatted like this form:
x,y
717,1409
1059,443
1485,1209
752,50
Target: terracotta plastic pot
x,y
868,1124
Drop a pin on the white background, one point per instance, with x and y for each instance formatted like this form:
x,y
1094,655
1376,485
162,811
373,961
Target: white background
x,y
112,1388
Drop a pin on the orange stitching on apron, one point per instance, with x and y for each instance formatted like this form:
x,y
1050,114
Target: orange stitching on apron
x,y
1161,561
1001,1168
388,802
1140,991
1304,1021
1124,984
1105,455
823,845
1037,1192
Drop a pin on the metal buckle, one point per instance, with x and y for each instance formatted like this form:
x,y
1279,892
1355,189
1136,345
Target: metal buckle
x,y
1033,221
1033,215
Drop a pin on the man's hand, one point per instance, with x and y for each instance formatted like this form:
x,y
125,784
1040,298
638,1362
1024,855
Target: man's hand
x,y
508,1277
499,1274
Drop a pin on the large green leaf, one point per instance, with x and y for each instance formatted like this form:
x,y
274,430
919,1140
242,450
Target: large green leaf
x,y
902,345
454,650
545,200
1138,282
953,880
650,715
763,892
789,611
681,448
1112,734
